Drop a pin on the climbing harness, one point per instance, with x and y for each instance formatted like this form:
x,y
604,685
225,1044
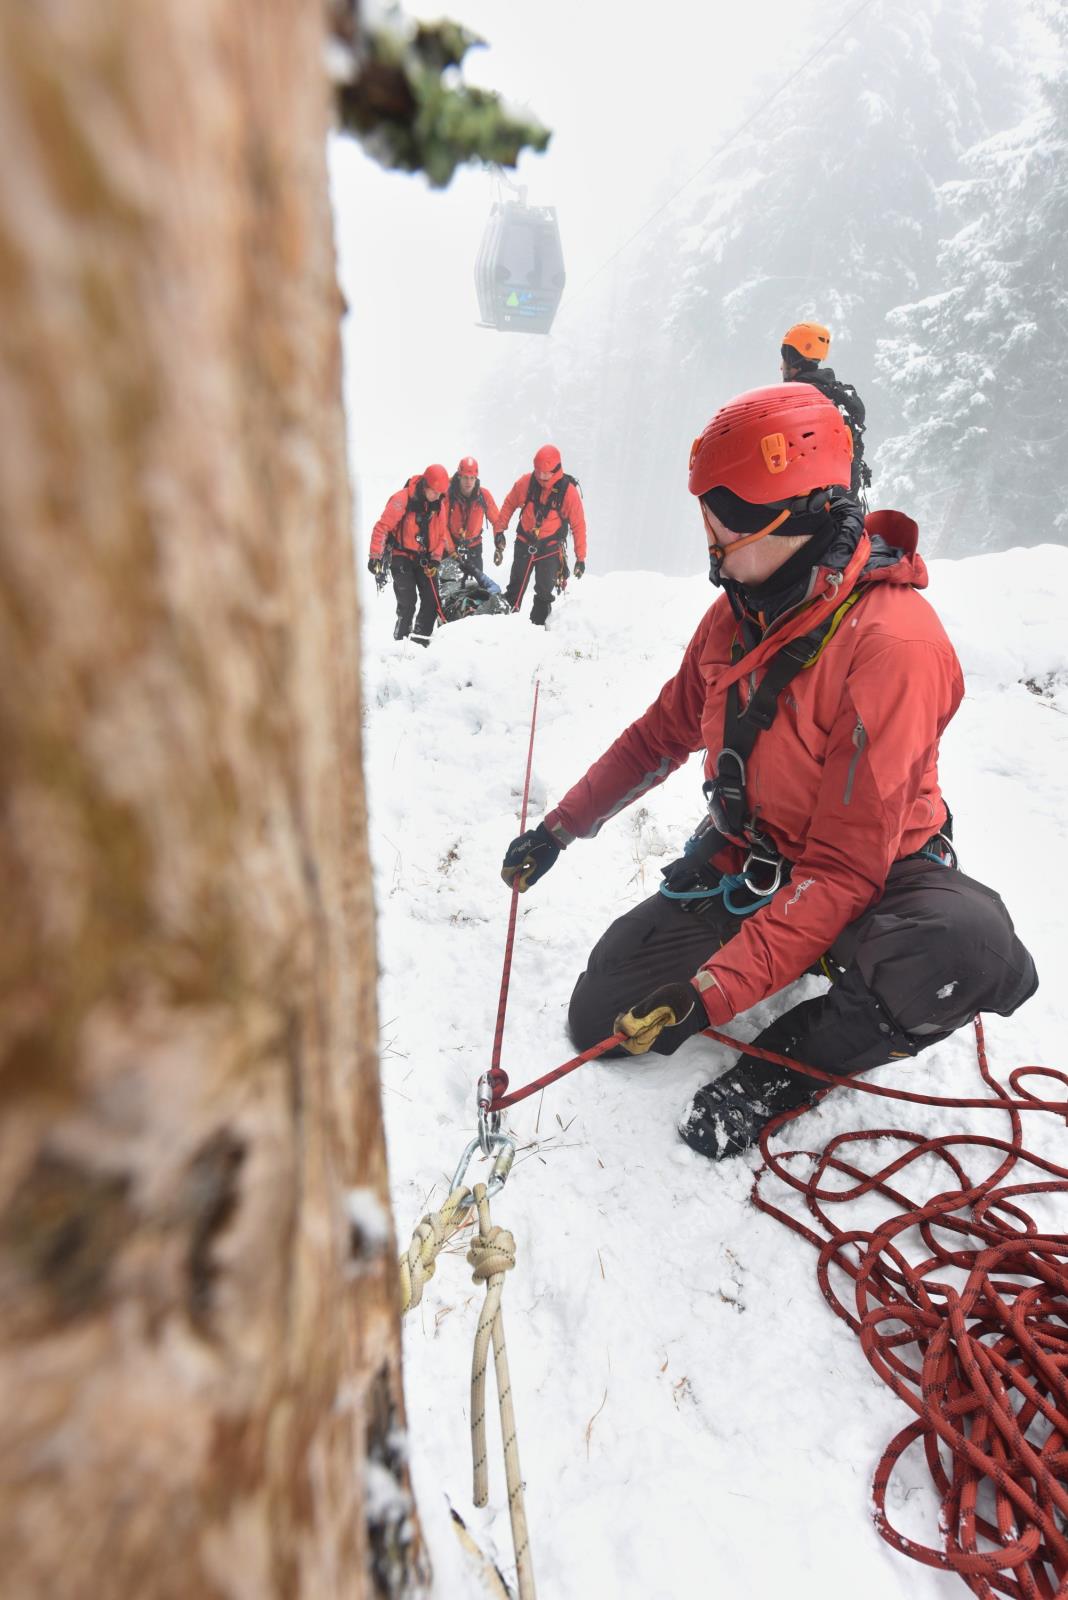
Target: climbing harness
x,y
764,870
553,546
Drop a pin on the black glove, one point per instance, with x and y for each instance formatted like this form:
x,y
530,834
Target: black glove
x,y
666,1007
529,857
579,568
376,567
499,542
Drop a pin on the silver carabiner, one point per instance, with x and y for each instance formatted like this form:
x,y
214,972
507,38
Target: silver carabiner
x,y
489,1123
776,863
505,1147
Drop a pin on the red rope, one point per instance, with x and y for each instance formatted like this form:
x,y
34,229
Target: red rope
x,y
501,1102
984,1314
499,1079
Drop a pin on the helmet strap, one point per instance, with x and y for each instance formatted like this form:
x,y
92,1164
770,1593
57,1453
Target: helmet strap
x,y
718,551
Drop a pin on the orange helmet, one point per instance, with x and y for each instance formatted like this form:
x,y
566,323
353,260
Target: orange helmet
x,y
547,459
810,339
435,477
772,446
468,467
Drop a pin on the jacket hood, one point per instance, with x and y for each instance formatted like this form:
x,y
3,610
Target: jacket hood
x,y
894,557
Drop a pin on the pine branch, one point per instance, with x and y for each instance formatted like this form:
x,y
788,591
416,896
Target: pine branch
x,y
399,91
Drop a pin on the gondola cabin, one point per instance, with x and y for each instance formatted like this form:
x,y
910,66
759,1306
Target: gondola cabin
x,y
519,272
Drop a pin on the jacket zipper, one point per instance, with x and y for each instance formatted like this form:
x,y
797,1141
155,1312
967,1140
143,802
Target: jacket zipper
x,y
860,739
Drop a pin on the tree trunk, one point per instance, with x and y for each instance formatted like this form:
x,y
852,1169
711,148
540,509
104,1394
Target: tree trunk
x,y
199,1349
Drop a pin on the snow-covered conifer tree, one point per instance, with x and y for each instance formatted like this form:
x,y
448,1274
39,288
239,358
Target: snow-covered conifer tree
x,y
979,365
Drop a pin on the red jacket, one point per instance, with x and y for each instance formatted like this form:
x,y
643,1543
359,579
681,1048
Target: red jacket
x,y
466,516
400,524
570,507
846,777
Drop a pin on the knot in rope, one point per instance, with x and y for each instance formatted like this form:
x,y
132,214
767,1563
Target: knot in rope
x,y
431,1234
491,1253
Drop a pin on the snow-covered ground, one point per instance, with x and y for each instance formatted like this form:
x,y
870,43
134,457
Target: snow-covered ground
x,y
692,1418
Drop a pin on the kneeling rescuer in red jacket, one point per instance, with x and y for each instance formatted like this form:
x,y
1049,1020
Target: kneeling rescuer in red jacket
x,y
819,683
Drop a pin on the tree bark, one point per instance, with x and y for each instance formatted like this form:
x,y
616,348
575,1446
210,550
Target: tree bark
x,y
199,1352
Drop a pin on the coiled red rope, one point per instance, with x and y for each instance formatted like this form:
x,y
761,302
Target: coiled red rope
x,y
960,1301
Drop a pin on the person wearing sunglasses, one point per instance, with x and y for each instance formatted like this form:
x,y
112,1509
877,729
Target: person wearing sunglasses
x,y
819,684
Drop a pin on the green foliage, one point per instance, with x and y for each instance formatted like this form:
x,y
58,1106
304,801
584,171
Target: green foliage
x,y
400,92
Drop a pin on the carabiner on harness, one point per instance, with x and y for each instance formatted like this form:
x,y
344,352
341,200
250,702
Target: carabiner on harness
x,y
764,858
725,795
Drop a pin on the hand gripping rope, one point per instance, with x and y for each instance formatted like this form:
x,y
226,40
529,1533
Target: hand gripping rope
x,y
491,1255
989,1380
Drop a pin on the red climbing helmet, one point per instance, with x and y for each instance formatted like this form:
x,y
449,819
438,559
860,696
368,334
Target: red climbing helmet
x,y
468,468
771,446
435,477
547,459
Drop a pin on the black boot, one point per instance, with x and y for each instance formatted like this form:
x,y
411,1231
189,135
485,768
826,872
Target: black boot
x,y
727,1117
403,628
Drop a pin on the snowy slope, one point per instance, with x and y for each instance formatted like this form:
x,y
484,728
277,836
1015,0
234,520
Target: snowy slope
x,y
691,1416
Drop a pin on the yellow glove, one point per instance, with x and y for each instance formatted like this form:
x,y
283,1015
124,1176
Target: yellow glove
x,y
643,1024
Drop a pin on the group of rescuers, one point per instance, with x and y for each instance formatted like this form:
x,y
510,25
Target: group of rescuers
x,y
818,684
435,516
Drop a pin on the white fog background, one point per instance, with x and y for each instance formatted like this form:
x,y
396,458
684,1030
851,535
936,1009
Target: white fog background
x,y
908,187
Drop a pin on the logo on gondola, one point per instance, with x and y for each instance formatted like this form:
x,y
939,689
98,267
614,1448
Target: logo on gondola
x,y
524,301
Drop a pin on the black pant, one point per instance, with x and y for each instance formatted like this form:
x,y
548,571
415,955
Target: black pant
x,y
936,949
409,583
540,560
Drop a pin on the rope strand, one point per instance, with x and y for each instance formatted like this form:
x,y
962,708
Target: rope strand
x,y
506,974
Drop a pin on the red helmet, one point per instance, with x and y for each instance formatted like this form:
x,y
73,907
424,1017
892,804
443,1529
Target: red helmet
x,y
468,467
770,446
547,459
435,477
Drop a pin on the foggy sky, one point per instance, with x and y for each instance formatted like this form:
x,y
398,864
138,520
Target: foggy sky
x,y
638,97
839,218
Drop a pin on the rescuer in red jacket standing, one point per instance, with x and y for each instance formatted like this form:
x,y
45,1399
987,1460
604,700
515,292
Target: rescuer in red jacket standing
x,y
551,504
819,684
411,536
470,504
